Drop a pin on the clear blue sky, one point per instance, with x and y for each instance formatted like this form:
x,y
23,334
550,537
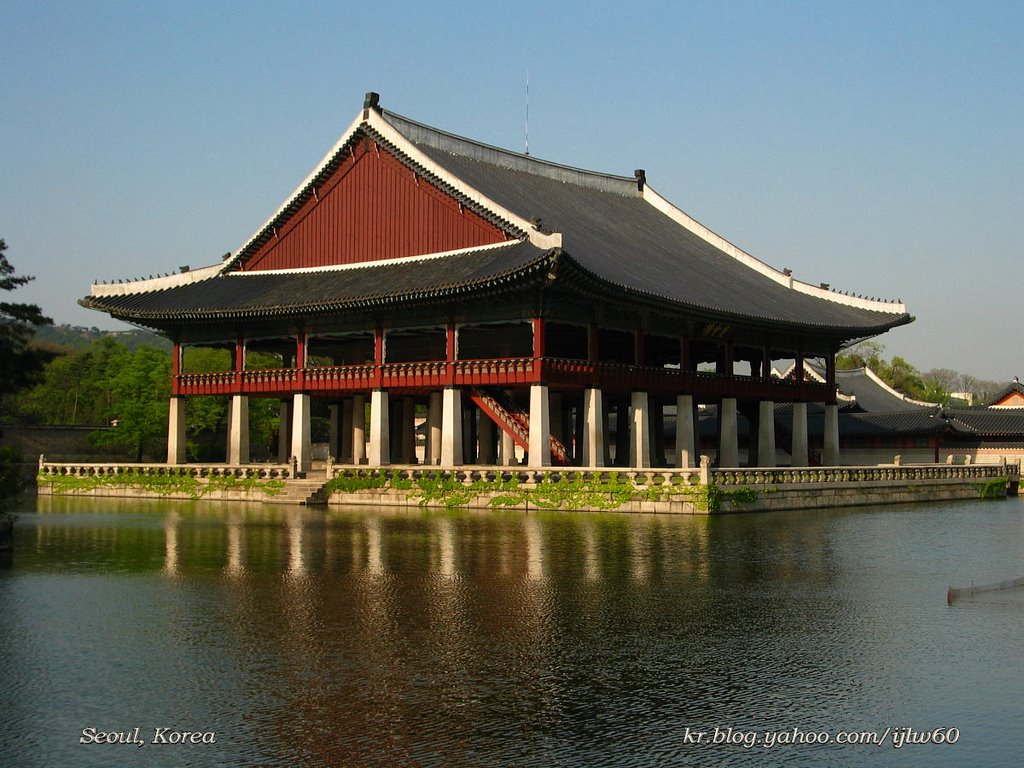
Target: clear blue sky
x,y
876,146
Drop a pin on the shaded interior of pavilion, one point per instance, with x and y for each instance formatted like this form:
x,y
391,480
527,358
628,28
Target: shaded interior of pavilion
x,y
609,397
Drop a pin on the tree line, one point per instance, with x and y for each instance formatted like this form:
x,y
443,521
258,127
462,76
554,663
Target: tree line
x,y
124,393
938,385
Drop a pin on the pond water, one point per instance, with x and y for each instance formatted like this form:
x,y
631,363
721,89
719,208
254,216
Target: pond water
x,y
293,636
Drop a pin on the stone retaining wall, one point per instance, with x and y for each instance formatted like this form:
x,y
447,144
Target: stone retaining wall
x,y
667,491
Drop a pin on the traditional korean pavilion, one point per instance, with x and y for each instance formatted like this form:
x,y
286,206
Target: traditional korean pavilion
x,y
516,301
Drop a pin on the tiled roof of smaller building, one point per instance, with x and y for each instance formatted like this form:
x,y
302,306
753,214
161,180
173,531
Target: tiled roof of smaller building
x,y
873,395
994,422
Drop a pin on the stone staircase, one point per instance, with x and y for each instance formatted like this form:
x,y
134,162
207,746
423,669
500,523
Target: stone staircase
x,y
306,491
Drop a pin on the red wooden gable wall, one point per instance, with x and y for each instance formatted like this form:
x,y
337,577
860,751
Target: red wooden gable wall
x,y
372,208
1012,400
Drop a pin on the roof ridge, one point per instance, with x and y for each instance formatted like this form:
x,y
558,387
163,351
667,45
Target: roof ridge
x,y
446,141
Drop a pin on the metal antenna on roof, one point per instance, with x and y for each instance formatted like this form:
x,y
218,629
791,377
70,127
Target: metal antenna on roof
x,y
527,111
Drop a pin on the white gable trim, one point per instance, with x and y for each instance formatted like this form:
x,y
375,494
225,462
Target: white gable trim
x,y
392,135
375,121
353,127
374,263
156,283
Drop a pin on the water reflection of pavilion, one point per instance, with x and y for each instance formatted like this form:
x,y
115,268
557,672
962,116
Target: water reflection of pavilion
x,y
262,540
356,615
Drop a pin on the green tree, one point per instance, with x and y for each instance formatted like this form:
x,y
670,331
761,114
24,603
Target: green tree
x,y
73,389
864,354
20,363
139,383
903,377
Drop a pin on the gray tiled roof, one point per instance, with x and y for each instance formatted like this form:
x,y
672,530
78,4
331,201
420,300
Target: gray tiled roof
x,y
611,236
990,421
871,396
612,232
272,293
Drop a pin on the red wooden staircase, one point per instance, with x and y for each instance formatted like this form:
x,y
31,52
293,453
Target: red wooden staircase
x,y
510,416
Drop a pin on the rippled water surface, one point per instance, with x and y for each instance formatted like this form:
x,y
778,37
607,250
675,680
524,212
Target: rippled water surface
x,y
297,637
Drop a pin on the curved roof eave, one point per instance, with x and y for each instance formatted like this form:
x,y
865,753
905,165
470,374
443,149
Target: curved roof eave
x,y
665,302
498,281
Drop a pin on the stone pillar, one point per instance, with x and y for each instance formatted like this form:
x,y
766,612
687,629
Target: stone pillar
x,y
556,420
284,432
176,431
766,434
799,452
657,421
593,429
577,434
408,430
540,428
728,438
606,425
433,449
359,429
640,431
238,430
830,456
686,432
332,445
622,433
469,435
302,441
451,427
506,450
380,432
345,432
485,434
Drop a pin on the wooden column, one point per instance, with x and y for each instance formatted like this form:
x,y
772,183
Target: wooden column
x,y
176,360
450,352
538,337
378,357
300,360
